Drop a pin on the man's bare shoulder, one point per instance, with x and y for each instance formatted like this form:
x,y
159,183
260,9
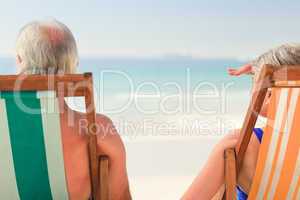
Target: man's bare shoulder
x,y
103,119
100,118
104,124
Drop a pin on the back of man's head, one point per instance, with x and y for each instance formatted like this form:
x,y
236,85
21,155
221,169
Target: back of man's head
x,y
45,47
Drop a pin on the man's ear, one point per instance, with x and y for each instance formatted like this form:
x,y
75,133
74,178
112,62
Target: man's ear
x,y
18,60
19,64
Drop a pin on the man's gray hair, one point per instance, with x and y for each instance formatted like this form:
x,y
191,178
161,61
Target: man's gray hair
x,y
47,47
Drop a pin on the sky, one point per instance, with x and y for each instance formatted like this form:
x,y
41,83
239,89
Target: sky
x,y
238,29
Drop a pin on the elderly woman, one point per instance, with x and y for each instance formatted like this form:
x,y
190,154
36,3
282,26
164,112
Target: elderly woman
x,y
211,177
45,47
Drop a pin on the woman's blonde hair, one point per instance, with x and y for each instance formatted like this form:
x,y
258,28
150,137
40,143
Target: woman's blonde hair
x,y
47,47
287,54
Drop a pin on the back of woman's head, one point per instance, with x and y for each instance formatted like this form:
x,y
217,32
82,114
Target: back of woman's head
x,y
287,54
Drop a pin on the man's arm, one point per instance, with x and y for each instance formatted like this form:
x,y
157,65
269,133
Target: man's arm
x,y
110,143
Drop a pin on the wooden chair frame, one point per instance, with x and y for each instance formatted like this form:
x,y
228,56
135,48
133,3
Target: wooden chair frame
x,y
70,85
270,77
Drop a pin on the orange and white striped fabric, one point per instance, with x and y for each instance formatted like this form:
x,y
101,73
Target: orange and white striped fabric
x,y
277,173
287,83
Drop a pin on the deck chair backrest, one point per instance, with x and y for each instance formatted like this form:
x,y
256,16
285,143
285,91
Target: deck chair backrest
x,y
31,164
277,173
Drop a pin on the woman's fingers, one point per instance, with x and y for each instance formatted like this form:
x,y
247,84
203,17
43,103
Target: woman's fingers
x,y
233,72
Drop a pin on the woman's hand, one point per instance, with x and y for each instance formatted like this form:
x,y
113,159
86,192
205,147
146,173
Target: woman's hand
x,y
245,69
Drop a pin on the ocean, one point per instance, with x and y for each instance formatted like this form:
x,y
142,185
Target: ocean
x,y
170,112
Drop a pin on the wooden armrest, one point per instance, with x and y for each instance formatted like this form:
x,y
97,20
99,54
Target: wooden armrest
x,y
230,174
103,193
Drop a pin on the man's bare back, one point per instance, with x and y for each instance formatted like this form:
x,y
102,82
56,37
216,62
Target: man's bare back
x,y
74,140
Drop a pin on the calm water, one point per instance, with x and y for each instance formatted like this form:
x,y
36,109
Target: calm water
x,y
170,112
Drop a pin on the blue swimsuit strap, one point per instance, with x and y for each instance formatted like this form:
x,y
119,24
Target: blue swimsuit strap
x,y
259,133
241,195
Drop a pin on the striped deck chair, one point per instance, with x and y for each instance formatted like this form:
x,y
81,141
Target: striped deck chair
x,y
31,156
277,174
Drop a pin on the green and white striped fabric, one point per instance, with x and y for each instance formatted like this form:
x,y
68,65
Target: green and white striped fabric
x,y
31,156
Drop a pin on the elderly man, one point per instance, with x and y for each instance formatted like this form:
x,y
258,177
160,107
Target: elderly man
x,y
45,47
